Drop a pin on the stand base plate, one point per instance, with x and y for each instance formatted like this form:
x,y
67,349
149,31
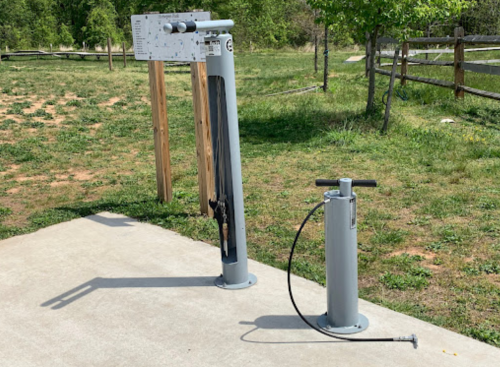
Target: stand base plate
x,y
252,279
359,327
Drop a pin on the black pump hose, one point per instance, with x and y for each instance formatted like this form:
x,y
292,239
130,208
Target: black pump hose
x,y
413,338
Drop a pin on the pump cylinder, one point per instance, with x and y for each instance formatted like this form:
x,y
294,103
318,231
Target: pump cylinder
x,y
341,262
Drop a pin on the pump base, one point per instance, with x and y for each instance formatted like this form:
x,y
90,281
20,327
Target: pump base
x,y
359,327
219,282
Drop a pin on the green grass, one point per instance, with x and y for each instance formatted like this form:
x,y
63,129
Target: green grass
x,y
429,236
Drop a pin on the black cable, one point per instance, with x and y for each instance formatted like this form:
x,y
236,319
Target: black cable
x,y
401,94
414,338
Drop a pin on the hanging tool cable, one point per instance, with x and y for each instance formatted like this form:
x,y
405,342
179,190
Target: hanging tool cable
x,y
413,338
220,205
222,157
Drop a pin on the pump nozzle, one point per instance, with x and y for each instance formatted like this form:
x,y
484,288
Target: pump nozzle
x,y
413,338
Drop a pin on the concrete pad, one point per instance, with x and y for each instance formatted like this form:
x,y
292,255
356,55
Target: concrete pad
x,y
108,291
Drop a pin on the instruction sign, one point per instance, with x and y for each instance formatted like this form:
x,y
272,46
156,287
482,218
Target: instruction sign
x,y
151,42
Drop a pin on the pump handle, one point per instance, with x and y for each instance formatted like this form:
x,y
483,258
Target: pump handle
x,y
362,183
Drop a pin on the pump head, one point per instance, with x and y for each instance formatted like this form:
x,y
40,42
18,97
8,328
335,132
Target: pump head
x,y
361,183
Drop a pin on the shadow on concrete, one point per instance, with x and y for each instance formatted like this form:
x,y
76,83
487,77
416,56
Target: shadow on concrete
x,y
111,222
280,322
108,283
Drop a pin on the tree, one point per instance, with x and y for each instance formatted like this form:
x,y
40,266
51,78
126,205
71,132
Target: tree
x,y
43,23
14,30
379,16
65,38
101,24
482,18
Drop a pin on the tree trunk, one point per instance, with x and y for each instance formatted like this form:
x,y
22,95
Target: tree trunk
x,y
325,75
316,53
367,54
370,106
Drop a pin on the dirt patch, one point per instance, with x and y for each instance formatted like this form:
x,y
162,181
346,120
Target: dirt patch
x,y
81,175
36,105
60,183
16,118
32,178
414,251
111,102
51,109
14,190
16,207
70,96
57,120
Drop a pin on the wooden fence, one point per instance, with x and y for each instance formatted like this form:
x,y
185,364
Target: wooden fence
x,y
459,64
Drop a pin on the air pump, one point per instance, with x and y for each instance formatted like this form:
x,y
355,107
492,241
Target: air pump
x,y
342,316
228,203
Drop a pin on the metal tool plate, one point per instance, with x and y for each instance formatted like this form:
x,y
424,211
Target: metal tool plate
x,y
151,42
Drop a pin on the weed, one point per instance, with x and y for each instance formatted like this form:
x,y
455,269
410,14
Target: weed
x,y
485,333
6,124
4,212
436,246
41,113
389,237
32,124
17,108
74,103
438,261
403,282
420,221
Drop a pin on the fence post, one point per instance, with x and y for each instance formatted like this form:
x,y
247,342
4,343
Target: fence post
x,y
124,55
459,58
160,130
206,178
404,62
325,72
110,55
391,89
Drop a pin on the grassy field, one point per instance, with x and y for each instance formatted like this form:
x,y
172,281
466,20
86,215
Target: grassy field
x,y
76,139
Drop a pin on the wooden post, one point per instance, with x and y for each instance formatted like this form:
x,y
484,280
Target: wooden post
x,y
160,129
404,62
325,73
459,58
110,55
315,53
124,55
428,36
206,178
367,53
51,48
391,89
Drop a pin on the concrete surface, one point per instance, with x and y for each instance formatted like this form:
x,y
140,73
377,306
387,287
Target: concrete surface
x,y
109,291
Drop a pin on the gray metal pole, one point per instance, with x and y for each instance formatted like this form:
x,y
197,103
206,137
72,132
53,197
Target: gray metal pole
x,y
227,162
341,262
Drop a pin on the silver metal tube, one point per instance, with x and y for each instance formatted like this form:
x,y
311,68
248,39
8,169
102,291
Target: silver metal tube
x,y
342,262
209,25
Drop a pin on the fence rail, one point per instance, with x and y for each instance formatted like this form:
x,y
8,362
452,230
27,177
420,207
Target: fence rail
x,y
459,63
